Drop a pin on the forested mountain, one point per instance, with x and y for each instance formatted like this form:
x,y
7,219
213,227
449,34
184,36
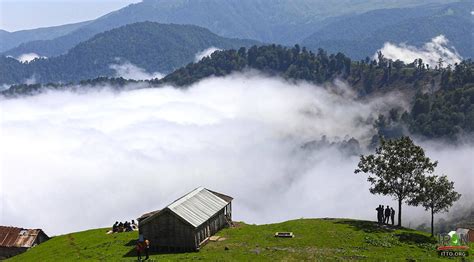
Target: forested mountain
x,y
362,35
443,98
10,40
273,21
151,46
446,113
292,63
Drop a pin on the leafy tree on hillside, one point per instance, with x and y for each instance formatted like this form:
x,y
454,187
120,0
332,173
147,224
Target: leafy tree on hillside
x,y
435,194
396,169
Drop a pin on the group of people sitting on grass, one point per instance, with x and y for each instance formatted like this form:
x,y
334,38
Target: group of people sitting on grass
x,y
383,215
124,227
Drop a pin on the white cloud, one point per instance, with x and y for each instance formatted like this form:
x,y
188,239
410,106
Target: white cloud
x,y
205,53
431,52
24,58
31,80
4,87
80,161
128,70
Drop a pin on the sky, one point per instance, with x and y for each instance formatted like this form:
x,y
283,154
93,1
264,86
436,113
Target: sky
x,y
29,14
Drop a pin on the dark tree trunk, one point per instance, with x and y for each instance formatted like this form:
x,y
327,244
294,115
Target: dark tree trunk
x,y
432,224
399,212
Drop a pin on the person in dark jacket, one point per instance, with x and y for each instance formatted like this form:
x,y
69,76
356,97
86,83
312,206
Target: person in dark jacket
x,y
387,215
115,227
383,217
379,214
392,215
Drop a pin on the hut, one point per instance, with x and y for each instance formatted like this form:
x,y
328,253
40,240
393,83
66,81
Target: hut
x,y
14,240
187,223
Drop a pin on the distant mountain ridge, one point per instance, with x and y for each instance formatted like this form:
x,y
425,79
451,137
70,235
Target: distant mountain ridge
x,y
274,21
151,46
362,35
11,40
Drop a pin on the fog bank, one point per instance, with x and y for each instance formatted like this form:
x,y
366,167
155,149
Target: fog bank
x,y
205,53
81,161
431,52
28,57
128,70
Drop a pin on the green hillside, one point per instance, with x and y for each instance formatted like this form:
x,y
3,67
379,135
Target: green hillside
x,y
151,46
340,239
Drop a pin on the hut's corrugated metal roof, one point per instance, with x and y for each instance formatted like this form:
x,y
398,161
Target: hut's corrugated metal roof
x,y
8,236
18,237
197,206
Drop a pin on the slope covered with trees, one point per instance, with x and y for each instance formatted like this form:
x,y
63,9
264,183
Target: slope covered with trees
x,y
445,113
443,98
442,107
291,63
151,46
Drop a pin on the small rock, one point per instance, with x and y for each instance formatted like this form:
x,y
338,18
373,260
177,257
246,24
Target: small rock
x,y
256,251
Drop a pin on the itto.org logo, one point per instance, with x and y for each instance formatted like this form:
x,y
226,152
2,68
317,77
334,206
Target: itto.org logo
x,y
453,244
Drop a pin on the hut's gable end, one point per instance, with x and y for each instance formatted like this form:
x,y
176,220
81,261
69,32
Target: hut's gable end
x,y
40,238
168,230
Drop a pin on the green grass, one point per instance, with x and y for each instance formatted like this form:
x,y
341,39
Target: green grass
x,y
315,239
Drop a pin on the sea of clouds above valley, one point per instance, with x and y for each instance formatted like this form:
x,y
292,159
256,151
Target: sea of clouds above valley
x,y
84,160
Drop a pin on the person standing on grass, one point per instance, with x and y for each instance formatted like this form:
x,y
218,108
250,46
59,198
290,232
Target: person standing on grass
x,y
387,215
382,215
147,248
379,214
392,215
139,248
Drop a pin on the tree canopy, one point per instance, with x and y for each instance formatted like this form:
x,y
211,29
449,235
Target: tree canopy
x,y
435,194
